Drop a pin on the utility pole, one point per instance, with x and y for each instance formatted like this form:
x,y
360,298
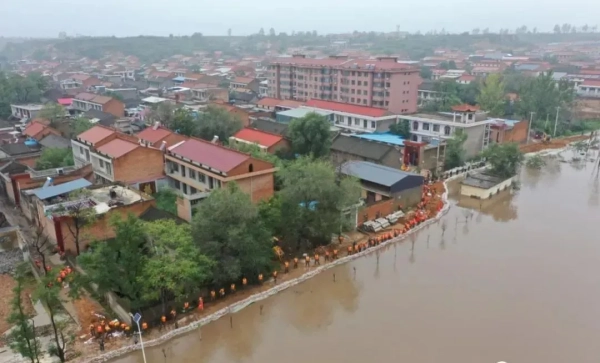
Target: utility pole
x,y
529,127
556,121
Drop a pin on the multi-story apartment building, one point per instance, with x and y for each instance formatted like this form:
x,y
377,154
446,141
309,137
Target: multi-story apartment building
x,y
381,82
89,101
433,128
29,111
196,167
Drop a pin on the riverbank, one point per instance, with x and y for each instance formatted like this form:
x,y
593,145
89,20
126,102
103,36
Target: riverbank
x,y
192,324
256,295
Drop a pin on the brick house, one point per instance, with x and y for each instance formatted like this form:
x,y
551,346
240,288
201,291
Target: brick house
x,y
265,140
85,101
195,167
504,131
38,130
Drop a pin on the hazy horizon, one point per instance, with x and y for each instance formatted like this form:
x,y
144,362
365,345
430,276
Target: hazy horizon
x,y
37,18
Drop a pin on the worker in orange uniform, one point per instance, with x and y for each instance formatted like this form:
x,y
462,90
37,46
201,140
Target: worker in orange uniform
x,y
349,250
335,254
317,259
99,330
260,278
307,261
275,276
286,266
244,282
200,304
186,306
163,321
326,256
173,313
213,295
222,292
144,326
232,287
295,262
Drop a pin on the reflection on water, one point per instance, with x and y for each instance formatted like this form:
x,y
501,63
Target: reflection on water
x,y
502,286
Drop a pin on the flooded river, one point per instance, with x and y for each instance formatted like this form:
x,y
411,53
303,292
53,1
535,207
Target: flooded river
x,y
515,281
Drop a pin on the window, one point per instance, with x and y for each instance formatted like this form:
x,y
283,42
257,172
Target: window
x,y
81,150
387,84
87,155
251,168
364,102
446,130
415,125
101,163
201,177
425,126
108,168
182,170
373,124
353,91
192,173
353,73
185,189
174,167
352,99
359,83
436,128
176,184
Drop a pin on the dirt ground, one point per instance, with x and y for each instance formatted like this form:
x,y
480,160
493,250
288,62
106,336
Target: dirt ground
x,y
85,308
6,294
553,144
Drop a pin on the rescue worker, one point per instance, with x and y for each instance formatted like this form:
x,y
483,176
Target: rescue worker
x,y
286,267
317,259
355,247
340,239
200,304
244,282
307,261
260,278
275,276
144,326
127,331
163,321
186,306
349,250
92,330
99,330
326,256
213,295
335,254
232,287
123,326
173,313
222,292
295,262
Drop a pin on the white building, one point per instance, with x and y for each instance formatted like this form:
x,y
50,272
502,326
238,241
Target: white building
x,y
443,125
589,88
28,111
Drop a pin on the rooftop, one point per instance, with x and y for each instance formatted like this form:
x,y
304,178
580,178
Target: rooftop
x,y
347,108
481,180
244,80
342,62
591,83
117,148
384,137
151,135
374,173
154,99
465,108
362,147
275,102
55,141
92,97
301,112
33,129
209,154
259,137
55,190
95,134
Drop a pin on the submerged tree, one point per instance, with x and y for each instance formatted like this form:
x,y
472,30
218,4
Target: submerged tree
x,y
504,159
492,96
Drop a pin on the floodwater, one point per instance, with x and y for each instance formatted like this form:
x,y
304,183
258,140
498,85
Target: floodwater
x,y
514,279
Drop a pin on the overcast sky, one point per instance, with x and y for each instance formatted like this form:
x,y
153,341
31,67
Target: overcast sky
x,y
46,18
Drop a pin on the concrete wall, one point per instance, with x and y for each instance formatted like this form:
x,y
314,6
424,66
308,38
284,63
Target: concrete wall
x,y
480,193
409,197
474,143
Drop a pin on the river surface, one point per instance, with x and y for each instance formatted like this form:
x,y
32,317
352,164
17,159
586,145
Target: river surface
x,y
514,279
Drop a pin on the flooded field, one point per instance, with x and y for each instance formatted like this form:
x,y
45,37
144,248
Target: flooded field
x,y
514,279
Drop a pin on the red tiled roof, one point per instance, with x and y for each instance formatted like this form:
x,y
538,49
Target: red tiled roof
x,y
151,135
117,148
467,77
591,82
347,108
262,138
207,153
95,134
65,101
244,80
589,72
273,102
465,108
33,129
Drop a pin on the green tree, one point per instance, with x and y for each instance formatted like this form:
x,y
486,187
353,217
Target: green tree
x,y
48,292
504,159
115,95
310,135
455,153
52,112
81,215
314,197
401,128
54,157
175,266
183,122
80,125
492,96
426,73
542,95
162,113
241,249
115,264
216,121
166,199
269,212
22,338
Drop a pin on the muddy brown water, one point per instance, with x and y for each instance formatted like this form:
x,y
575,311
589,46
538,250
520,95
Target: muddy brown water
x,y
515,279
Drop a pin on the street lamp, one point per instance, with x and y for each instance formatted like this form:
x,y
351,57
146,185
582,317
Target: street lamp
x,y
137,317
529,126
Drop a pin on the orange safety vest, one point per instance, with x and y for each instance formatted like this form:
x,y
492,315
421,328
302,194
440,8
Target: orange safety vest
x,y
274,273
163,319
186,305
144,326
244,281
